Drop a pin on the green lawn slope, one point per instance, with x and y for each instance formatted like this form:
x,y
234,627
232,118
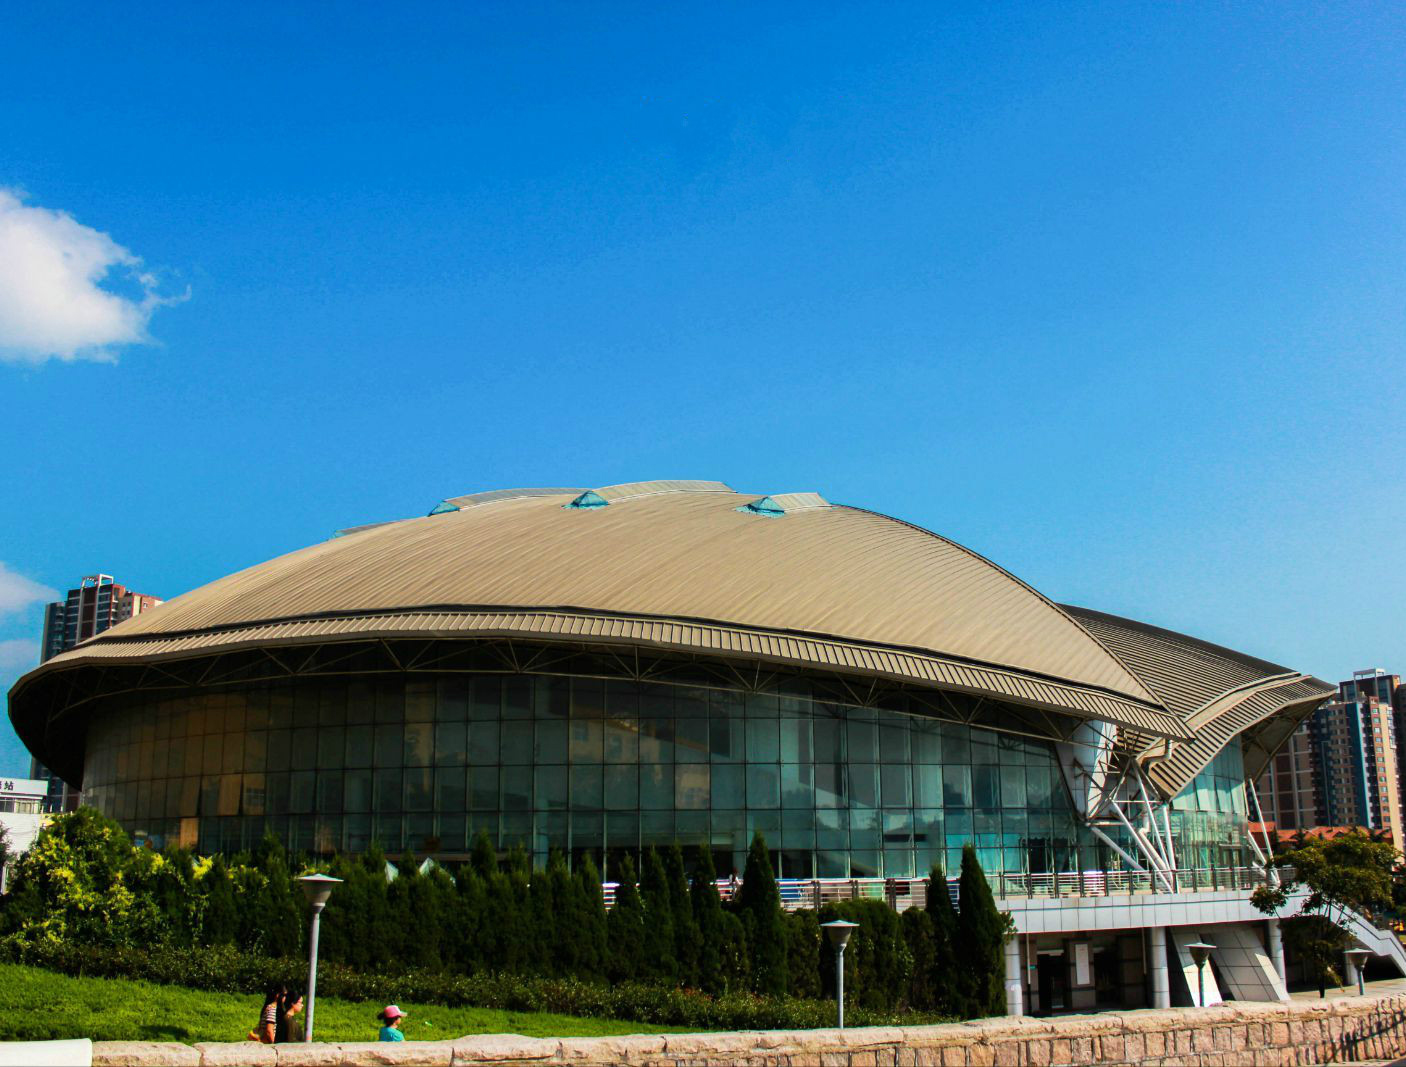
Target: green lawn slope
x,y
41,1005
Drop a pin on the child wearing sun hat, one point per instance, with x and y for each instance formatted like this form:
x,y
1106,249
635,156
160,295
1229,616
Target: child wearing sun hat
x,y
389,1018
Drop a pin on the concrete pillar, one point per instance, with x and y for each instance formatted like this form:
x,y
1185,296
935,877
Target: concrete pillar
x,y
1157,949
1015,1000
1349,972
1276,949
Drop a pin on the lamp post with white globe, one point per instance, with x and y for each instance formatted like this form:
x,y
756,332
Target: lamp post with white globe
x,y
839,932
317,888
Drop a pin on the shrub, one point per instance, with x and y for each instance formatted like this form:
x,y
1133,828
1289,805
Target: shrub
x,y
803,953
227,970
878,963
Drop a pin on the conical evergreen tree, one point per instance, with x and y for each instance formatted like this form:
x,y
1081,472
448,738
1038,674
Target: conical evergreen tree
x,y
462,947
431,897
660,964
285,918
948,989
981,939
803,953
343,929
403,919
174,893
381,944
759,900
485,856
220,922
918,935
708,918
590,920
686,934
530,945
557,916
625,927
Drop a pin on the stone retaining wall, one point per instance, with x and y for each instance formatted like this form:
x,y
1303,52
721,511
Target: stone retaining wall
x,y
1231,1035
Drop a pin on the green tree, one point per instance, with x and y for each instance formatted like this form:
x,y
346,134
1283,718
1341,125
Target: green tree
x,y
558,912
981,939
284,919
736,954
342,923
590,920
760,902
948,995
918,935
687,937
660,963
462,948
625,927
75,885
708,918
878,963
1350,873
173,890
219,922
803,953
485,856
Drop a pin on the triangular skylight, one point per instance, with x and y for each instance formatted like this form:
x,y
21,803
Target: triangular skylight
x,y
589,499
444,507
765,506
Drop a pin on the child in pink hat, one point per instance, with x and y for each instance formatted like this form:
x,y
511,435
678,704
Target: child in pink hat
x,y
390,1017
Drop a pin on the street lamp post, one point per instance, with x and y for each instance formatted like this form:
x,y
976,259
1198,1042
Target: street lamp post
x,y
839,932
1357,957
1200,953
317,888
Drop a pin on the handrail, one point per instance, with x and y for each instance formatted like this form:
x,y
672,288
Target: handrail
x,y
903,893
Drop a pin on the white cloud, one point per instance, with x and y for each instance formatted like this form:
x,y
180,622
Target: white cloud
x,y
17,656
18,592
56,300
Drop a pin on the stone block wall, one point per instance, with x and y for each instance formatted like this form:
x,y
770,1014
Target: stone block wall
x,y
1345,1030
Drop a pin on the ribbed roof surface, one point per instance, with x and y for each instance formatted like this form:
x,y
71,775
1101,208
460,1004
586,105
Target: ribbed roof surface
x,y
687,566
1184,672
1217,692
836,577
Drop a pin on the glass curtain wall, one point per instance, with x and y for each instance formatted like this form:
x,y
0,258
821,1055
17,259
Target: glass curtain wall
x,y
586,765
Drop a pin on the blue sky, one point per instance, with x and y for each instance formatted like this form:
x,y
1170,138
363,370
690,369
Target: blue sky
x,y
1111,294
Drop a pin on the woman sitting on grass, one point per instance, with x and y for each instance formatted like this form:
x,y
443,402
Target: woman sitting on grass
x,y
267,1030
290,1027
389,1017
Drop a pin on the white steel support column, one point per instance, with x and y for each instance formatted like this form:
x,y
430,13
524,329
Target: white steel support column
x,y
1157,949
1015,1000
1276,949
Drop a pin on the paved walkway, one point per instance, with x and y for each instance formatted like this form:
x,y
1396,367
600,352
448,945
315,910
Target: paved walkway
x,y
1379,988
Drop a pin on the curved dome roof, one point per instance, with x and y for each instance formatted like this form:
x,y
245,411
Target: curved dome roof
x,y
692,566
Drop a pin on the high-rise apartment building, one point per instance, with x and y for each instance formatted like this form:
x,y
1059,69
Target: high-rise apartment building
x,y
1373,683
1341,768
97,604
1358,779
1288,790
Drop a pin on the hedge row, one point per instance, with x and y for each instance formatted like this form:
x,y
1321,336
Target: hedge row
x,y
224,969
83,883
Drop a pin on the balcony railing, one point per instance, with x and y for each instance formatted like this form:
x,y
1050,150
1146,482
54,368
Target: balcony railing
x,y
903,893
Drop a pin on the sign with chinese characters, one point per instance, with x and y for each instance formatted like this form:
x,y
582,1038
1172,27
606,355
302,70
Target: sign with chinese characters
x,y
32,787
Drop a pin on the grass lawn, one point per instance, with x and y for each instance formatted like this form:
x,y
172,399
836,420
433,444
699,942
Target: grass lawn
x,y
39,1005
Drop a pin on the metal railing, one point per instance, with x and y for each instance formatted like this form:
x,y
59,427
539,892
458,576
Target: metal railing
x,y
903,893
